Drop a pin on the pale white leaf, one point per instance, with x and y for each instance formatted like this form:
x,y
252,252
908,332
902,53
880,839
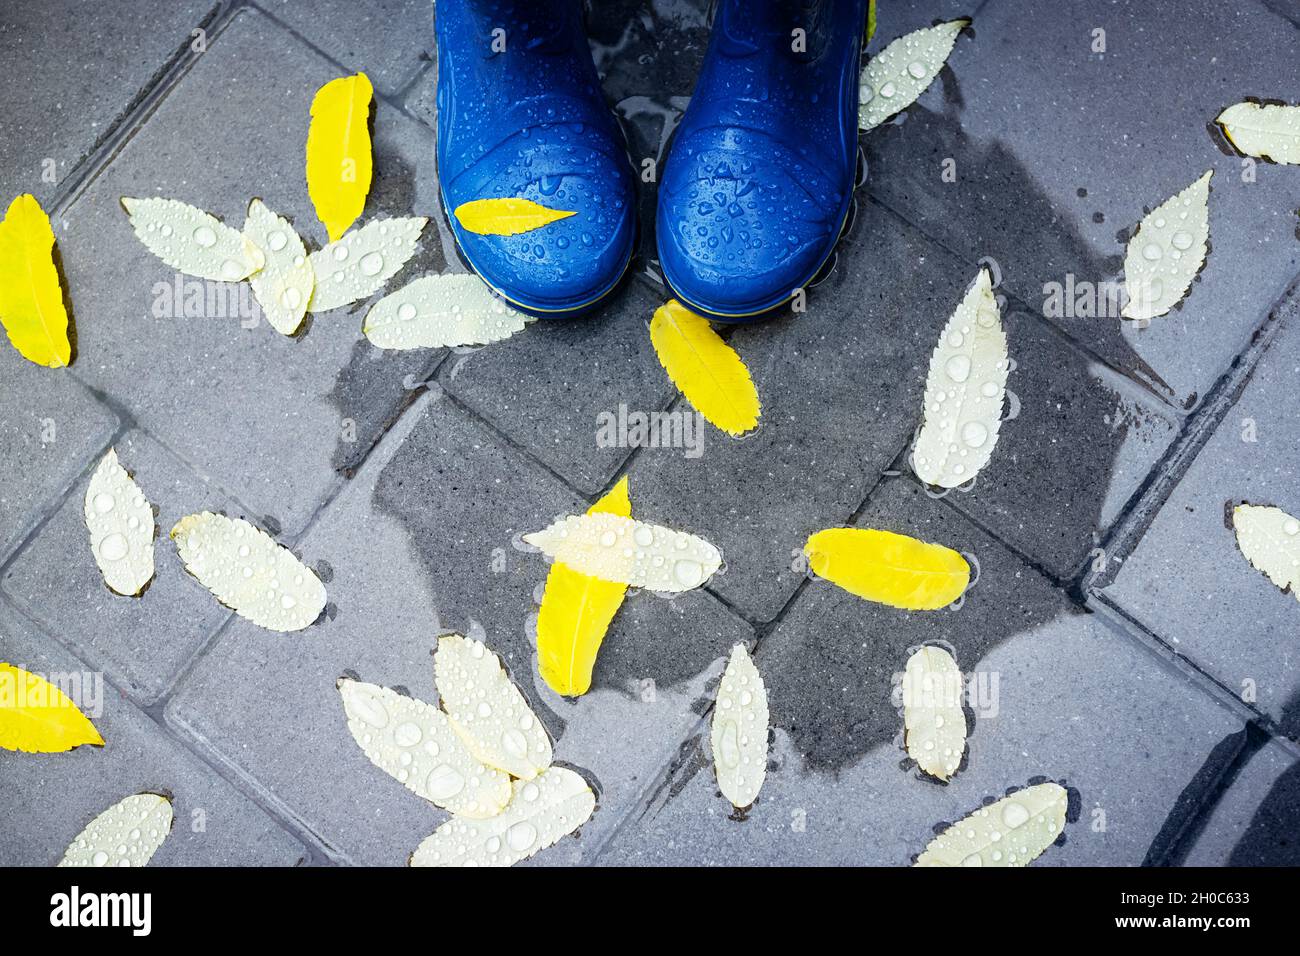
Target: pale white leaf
x,y
358,264
126,834
1270,540
192,241
1167,251
248,572
738,733
964,391
441,312
487,710
627,551
932,716
1011,832
539,814
1271,132
414,742
894,78
120,520
283,286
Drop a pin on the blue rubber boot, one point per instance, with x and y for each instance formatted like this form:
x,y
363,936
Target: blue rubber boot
x,y
521,116
760,176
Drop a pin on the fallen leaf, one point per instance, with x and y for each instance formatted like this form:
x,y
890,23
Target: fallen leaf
x,y
248,572
614,548
441,312
120,521
894,78
415,743
283,286
704,368
128,833
539,814
192,241
1167,251
1270,540
487,710
31,299
964,391
37,717
738,733
1014,831
506,217
888,568
339,161
1269,132
576,613
871,21
935,726
358,265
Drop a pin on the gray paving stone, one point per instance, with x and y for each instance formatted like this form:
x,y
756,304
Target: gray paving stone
x,y
840,789
550,388
1049,206
50,428
1188,583
425,539
141,643
1084,441
48,798
273,419
388,40
78,68
1256,821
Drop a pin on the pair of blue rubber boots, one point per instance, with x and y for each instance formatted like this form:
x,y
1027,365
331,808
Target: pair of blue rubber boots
x,y
754,191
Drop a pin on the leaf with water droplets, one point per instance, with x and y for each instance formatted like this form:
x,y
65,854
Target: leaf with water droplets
x,y
1167,251
441,312
248,572
707,371
340,163
358,264
120,520
576,611
964,391
932,716
1270,540
192,241
539,814
894,78
31,297
614,548
487,710
1014,831
283,286
415,743
506,217
128,833
888,568
1270,132
36,717
738,733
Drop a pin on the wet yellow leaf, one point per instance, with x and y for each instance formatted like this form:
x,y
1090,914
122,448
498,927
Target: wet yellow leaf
x,y
339,160
576,613
31,300
704,368
888,568
38,718
506,217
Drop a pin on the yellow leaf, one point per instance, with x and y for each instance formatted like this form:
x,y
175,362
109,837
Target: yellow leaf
x,y
506,217
339,163
871,20
31,300
888,568
38,718
706,369
576,612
